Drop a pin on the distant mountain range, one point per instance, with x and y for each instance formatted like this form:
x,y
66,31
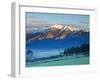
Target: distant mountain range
x,y
55,32
57,37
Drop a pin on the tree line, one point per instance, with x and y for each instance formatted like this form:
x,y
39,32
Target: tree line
x,y
83,49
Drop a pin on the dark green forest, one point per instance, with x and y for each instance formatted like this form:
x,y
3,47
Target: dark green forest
x,y
83,49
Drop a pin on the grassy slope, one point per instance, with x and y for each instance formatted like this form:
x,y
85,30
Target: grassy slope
x,y
64,61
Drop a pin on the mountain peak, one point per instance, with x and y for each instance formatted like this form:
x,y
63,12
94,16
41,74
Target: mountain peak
x,y
57,26
65,27
71,28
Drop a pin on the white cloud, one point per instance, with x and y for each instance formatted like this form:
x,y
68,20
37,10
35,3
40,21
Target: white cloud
x,y
35,22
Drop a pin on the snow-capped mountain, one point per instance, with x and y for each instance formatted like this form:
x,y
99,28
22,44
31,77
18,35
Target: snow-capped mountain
x,y
56,26
70,27
56,31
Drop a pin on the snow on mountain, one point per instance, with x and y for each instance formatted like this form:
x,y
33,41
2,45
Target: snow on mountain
x,y
71,28
56,26
66,27
56,31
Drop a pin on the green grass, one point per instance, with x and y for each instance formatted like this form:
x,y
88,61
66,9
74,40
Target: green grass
x,y
70,60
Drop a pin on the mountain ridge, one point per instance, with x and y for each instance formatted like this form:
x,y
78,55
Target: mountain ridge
x,y
56,31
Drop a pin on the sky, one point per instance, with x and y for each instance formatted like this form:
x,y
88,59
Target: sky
x,y
34,19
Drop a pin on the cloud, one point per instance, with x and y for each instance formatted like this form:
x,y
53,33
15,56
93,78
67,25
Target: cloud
x,y
32,22
35,29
